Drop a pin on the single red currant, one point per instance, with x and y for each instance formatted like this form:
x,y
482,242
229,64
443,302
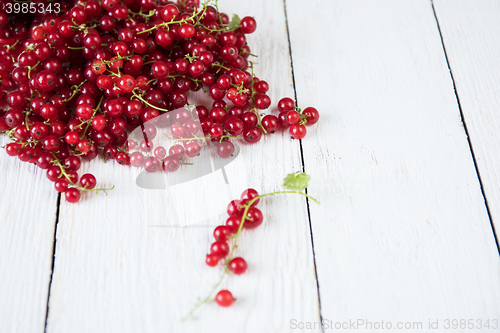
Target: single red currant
x,y
225,149
312,115
298,131
224,298
219,248
88,181
248,195
212,260
221,233
254,218
72,195
238,266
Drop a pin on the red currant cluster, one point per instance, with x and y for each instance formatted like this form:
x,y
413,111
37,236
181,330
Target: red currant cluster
x,y
76,82
235,209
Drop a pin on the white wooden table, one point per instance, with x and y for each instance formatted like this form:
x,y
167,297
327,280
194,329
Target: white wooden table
x,y
405,161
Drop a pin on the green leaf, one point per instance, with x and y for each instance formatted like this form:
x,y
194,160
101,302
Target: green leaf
x,y
235,22
297,181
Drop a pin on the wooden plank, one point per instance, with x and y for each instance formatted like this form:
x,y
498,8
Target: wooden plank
x,y
122,267
471,35
403,234
27,220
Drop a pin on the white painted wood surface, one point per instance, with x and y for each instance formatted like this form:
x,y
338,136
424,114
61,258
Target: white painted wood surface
x,y
471,34
27,219
404,234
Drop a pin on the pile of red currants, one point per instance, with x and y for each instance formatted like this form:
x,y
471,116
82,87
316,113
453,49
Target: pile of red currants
x,y
76,82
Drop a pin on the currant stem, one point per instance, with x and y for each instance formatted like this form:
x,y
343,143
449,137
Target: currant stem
x,y
149,104
63,172
75,91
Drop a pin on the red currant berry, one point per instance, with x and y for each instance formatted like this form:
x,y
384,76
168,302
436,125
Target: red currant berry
x,y
286,104
235,209
72,195
216,131
152,164
249,119
84,145
212,260
248,25
39,131
171,164
13,149
248,195
177,151
238,266
72,163
233,223
252,135
221,233
84,111
262,101
219,248
282,119
224,298
261,86
218,115
270,123
193,149
298,131
61,185
51,143
122,158
186,31
88,181
234,125
225,149
254,218
160,152
292,117
313,115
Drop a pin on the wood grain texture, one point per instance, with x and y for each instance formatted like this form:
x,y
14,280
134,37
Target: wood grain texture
x,y
403,234
471,35
27,219
121,267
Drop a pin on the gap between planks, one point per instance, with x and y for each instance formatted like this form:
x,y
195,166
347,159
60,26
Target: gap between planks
x,y
54,243
303,167
478,173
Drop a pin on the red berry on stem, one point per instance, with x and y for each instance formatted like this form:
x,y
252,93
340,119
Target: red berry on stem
x,y
225,149
238,266
224,298
220,249
248,25
252,135
254,218
234,208
88,181
72,195
248,195
221,233
171,164
286,104
212,260
292,117
313,115
298,131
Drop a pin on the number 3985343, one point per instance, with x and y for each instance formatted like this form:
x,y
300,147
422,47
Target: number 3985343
x,y
32,7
